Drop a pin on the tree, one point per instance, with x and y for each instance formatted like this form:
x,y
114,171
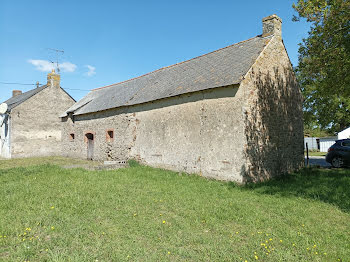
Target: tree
x,y
324,63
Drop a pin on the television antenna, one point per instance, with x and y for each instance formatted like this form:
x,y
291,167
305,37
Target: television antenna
x,y
58,52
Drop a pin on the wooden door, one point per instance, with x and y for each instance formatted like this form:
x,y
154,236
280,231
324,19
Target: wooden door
x,y
90,146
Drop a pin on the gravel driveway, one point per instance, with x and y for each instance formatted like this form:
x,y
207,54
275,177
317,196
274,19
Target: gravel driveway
x,y
318,161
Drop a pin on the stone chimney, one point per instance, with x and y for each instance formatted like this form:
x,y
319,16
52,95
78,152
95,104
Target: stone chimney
x,y
272,25
53,79
16,93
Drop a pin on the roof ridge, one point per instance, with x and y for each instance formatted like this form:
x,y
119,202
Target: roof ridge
x,y
175,64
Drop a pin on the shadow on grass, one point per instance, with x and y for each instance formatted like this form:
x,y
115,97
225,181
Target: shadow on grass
x,y
328,185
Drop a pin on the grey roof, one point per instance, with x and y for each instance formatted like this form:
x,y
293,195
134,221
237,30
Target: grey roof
x,y
19,99
222,67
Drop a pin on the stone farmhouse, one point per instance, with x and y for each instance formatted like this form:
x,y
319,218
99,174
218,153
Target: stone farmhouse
x,y
232,114
30,125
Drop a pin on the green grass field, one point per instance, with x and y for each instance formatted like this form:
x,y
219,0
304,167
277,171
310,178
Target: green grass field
x,y
48,213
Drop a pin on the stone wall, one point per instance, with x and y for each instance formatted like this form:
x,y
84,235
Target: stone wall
x,y
202,132
273,116
36,128
119,120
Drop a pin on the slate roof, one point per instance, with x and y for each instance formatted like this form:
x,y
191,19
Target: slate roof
x,y
19,99
223,67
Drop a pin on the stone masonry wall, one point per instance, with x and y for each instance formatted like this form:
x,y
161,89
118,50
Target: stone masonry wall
x,y
35,124
273,116
201,132
119,121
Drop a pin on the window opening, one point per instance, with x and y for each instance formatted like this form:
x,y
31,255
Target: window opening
x,y
110,135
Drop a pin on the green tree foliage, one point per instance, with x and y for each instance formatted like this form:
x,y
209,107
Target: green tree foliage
x,y
324,64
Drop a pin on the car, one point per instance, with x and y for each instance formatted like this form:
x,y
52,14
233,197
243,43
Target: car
x,y
339,153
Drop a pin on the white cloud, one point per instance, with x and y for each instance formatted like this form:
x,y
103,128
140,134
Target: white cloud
x,y
91,71
42,65
47,66
67,67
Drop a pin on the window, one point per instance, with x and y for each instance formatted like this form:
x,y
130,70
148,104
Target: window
x,y
71,136
346,143
110,135
89,136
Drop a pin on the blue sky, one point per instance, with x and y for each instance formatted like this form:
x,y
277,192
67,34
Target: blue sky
x,y
107,41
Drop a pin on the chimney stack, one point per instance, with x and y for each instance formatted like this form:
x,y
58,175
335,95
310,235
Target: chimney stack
x,y
53,79
16,93
272,25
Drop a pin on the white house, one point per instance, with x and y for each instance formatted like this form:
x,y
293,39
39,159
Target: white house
x,y
344,134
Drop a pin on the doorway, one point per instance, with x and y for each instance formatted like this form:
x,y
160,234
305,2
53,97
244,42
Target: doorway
x,y
90,145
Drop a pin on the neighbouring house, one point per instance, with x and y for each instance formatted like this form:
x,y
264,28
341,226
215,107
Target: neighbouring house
x,y
344,134
232,114
30,124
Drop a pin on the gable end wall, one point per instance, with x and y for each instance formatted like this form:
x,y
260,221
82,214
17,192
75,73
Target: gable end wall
x,y
273,116
35,124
